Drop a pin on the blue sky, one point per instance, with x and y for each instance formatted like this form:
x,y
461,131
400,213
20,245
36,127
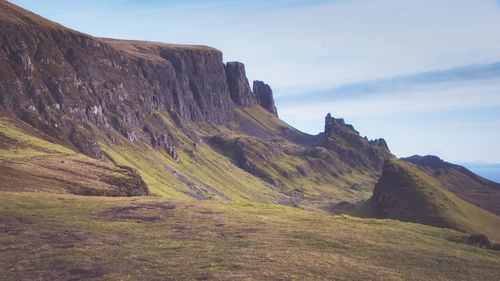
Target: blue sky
x,y
423,74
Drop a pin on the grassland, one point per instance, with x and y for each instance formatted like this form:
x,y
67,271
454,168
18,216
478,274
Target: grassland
x,y
47,234
67,237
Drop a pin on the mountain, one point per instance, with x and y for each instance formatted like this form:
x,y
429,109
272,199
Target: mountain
x,y
407,193
130,160
190,125
462,182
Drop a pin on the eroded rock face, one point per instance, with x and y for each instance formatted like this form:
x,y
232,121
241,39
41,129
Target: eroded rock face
x,y
265,96
70,80
333,125
238,85
351,147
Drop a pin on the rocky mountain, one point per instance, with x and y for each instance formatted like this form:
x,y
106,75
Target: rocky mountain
x,y
209,165
407,193
188,123
462,182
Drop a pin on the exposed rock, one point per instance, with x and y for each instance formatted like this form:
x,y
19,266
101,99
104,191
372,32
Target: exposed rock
x,y
265,96
333,125
107,82
380,142
173,153
238,85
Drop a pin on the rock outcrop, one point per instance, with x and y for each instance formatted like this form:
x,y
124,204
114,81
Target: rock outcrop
x,y
334,125
238,85
354,149
52,73
265,96
67,80
153,106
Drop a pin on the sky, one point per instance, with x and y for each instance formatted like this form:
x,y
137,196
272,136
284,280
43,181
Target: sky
x,y
423,74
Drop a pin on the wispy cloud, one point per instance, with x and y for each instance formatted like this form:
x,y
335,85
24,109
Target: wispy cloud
x,y
482,75
393,103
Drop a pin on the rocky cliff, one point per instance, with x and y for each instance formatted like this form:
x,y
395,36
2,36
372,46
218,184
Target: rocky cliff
x,y
265,96
50,72
190,124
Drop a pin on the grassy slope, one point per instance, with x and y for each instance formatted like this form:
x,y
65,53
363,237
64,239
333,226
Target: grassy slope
x,y
29,163
468,188
201,165
420,198
318,184
198,166
49,236
200,173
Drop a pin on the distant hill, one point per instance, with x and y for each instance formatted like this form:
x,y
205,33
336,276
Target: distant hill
x,y
461,181
407,193
489,171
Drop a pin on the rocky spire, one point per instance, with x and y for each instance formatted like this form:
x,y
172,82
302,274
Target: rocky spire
x,y
239,87
265,96
332,125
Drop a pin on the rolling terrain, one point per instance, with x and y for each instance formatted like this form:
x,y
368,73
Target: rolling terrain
x,y
406,193
462,182
69,237
188,123
131,160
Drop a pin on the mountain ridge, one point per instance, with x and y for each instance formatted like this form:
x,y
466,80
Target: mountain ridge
x,y
461,181
407,193
130,160
190,124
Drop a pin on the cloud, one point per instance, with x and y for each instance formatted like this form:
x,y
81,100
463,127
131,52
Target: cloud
x,y
394,103
468,87
480,74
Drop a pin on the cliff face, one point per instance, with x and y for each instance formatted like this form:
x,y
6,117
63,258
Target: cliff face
x,y
192,126
238,85
265,96
50,72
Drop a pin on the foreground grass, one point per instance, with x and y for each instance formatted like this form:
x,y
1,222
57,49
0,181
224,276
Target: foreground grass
x,y
64,237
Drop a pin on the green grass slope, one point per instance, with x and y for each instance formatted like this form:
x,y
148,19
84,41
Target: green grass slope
x,y
462,182
406,193
30,163
287,167
67,237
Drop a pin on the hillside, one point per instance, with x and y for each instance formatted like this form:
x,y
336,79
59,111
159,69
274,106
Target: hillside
x,y
462,182
406,193
132,160
188,123
67,237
